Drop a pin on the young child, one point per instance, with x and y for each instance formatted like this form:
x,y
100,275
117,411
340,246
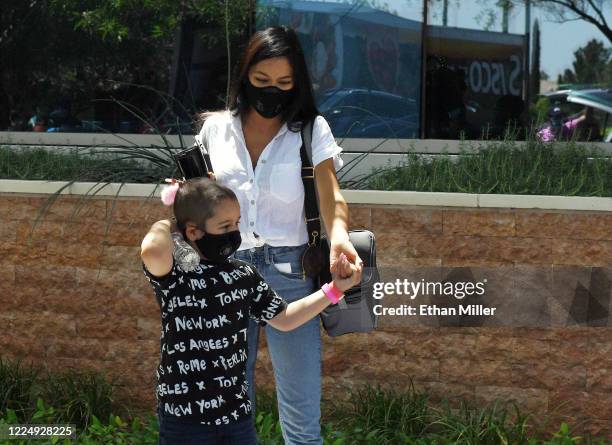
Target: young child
x,y
201,379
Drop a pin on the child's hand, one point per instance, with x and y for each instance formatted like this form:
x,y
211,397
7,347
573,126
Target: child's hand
x,y
343,267
348,275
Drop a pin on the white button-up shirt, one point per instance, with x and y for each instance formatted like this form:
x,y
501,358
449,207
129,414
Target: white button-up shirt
x,y
271,197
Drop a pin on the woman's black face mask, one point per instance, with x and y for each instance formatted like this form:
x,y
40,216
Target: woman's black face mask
x,y
268,101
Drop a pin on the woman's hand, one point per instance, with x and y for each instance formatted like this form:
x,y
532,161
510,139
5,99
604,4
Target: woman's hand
x,y
340,244
348,275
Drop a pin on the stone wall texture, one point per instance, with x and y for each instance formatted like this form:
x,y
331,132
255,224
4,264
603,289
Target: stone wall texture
x,y
73,296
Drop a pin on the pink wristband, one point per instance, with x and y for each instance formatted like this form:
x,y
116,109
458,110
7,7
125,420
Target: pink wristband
x,y
332,292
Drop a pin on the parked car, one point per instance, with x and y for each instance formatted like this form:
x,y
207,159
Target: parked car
x,y
363,113
571,104
559,99
599,99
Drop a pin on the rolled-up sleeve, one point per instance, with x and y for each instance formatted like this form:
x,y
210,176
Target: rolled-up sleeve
x,y
324,145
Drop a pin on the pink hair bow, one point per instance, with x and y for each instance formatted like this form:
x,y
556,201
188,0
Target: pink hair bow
x,y
168,193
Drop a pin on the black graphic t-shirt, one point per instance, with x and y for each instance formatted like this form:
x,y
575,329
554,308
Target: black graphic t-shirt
x,y
205,314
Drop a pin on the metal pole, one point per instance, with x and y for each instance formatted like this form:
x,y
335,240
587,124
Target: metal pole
x,y
445,13
505,15
424,68
527,91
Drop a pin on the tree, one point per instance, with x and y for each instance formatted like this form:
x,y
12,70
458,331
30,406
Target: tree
x,y
68,50
568,76
506,6
117,19
592,64
49,59
591,11
219,23
535,60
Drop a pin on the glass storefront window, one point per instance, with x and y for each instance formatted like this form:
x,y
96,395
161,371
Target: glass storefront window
x,y
133,69
483,15
365,58
61,75
208,55
364,62
474,86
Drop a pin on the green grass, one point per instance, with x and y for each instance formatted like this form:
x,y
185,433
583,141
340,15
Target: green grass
x,y
383,416
501,167
68,165
388,415
504,167
75,396
368,416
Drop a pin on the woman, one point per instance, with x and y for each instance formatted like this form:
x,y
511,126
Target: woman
x,y
255,150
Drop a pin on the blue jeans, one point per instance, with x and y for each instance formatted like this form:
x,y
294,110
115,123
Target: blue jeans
x,y
296,355
176,432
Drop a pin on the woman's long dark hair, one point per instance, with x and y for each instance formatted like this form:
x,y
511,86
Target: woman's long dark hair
x,y
277,41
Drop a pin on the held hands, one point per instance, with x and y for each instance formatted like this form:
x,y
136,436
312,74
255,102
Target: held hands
x,y
339,247
347,274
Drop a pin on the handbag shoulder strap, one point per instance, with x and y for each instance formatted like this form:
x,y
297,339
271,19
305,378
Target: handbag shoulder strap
x,y
311,204
307,140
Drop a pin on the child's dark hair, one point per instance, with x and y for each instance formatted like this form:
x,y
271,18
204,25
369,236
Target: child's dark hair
x,y
197,199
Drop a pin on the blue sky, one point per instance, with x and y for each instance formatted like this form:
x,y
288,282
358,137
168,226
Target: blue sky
x,y
559,41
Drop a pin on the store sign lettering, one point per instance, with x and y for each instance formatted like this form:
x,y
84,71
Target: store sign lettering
x,y
490,77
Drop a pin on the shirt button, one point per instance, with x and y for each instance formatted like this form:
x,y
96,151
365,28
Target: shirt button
x,y
263,161
252,224
252,202
251,181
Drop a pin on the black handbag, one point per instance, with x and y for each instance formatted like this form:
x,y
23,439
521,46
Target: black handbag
x,y
355,312
193,162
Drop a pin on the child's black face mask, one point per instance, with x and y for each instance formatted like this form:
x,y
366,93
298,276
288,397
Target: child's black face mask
x,y
219,247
